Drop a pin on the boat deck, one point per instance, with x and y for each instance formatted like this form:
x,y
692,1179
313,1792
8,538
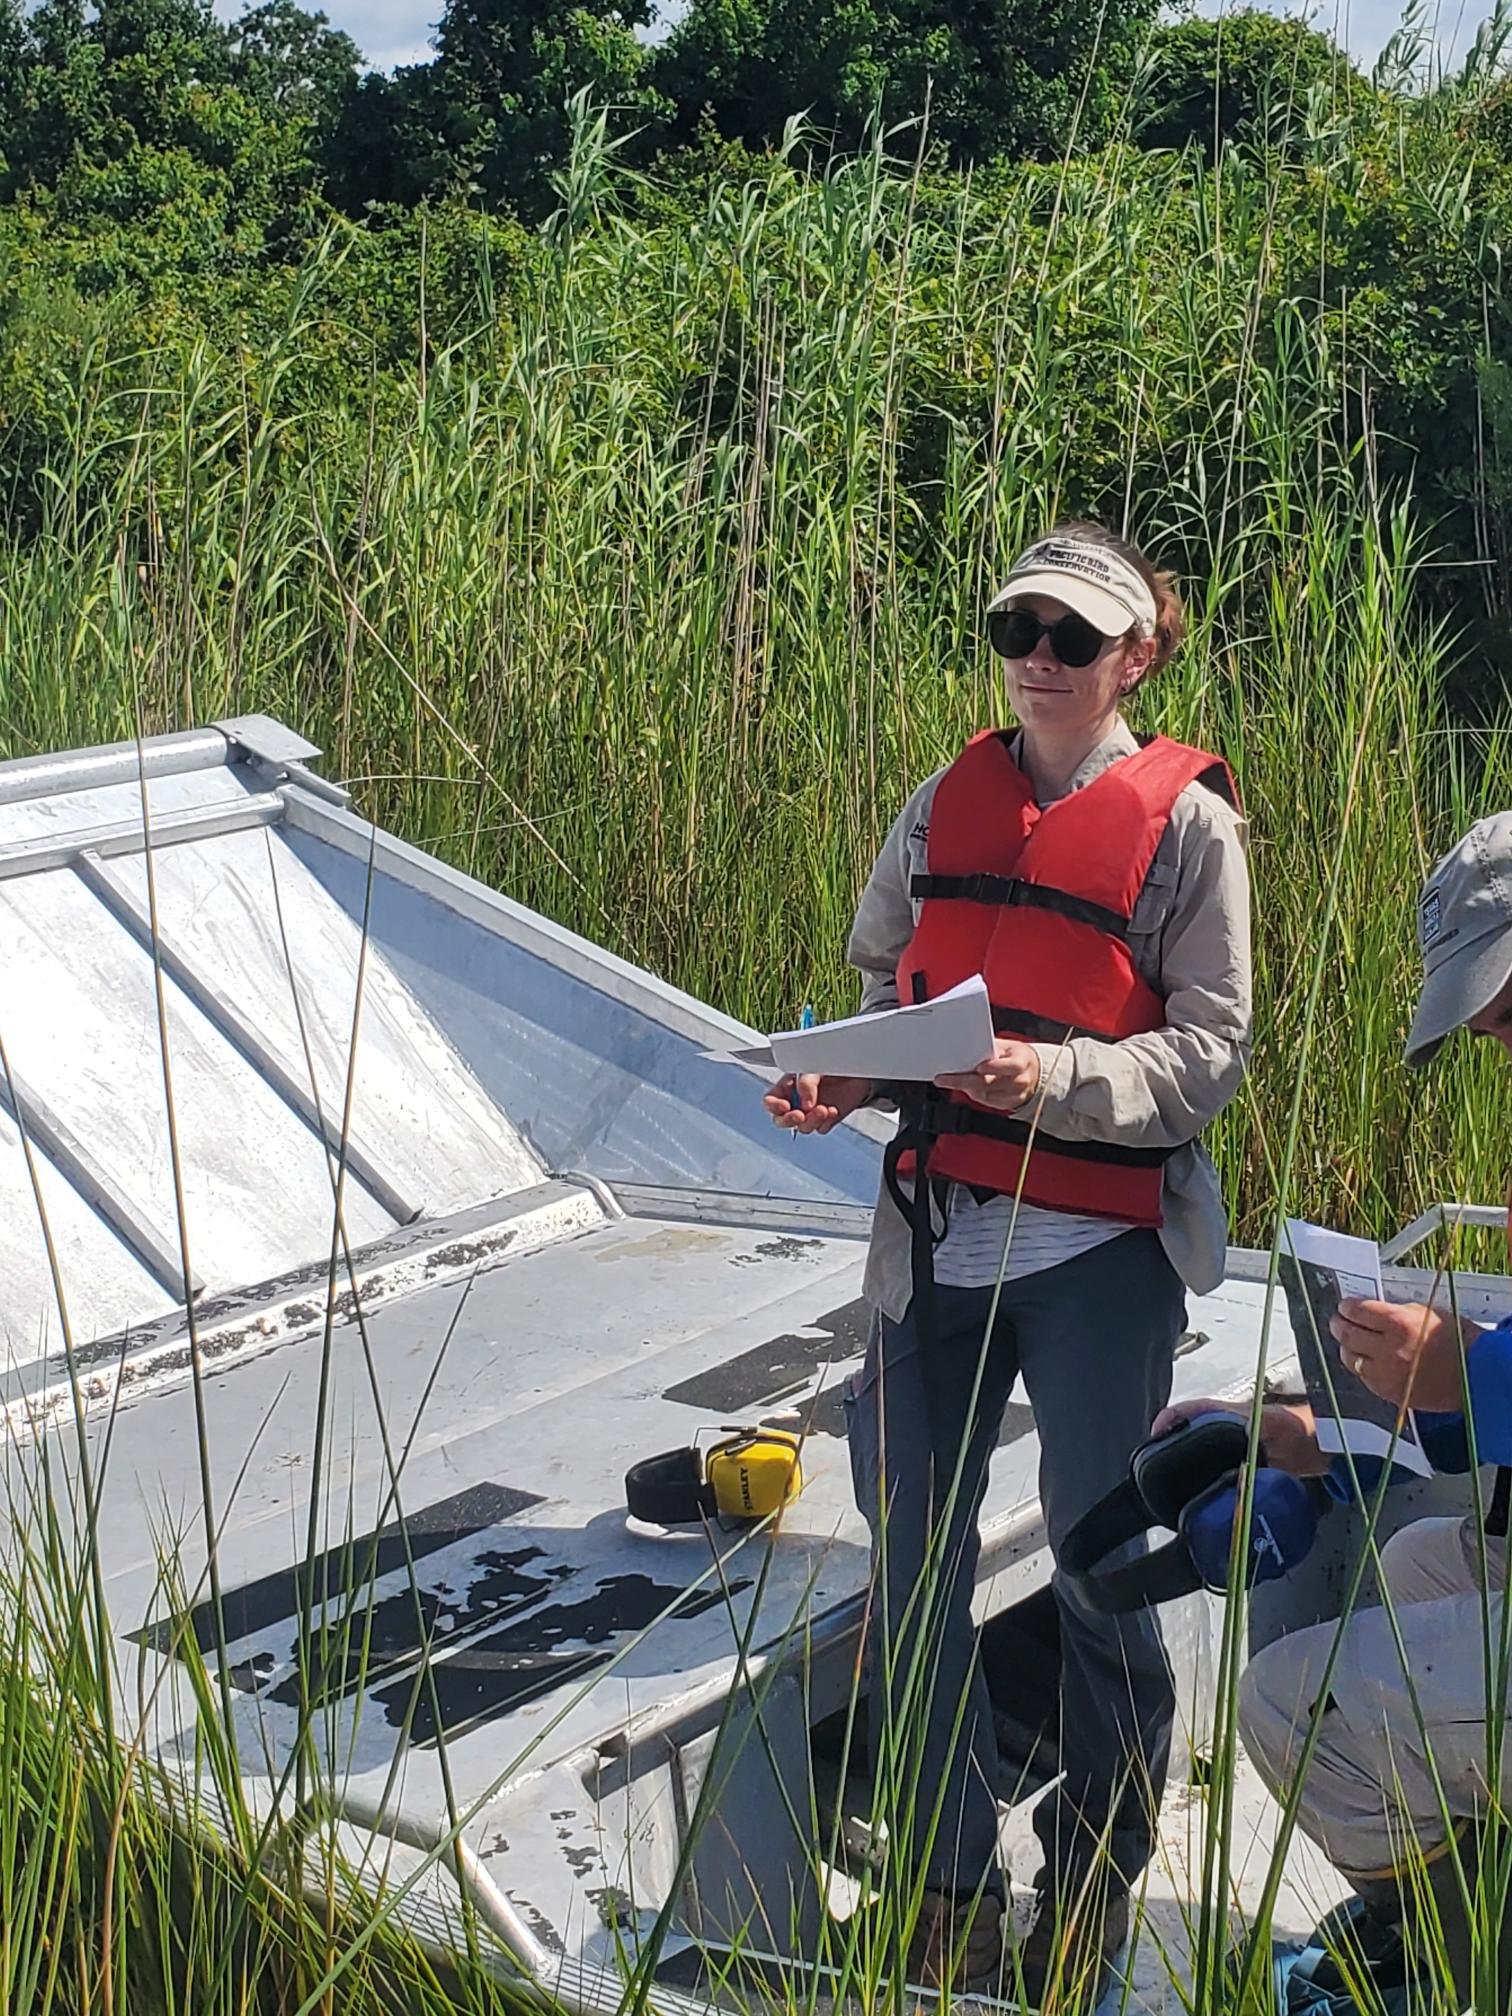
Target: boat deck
x,y
490,1634
455,1221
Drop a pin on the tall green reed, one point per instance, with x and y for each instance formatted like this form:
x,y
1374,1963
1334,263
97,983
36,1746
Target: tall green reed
x,y
654,613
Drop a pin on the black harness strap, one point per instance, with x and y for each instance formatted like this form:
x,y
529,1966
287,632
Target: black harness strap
x,y
1501,1506
924,1117
1011,893
916,1135
1041,1028
952,1119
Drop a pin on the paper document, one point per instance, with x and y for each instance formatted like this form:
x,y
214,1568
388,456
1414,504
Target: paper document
x,y
1321,1270
951,1033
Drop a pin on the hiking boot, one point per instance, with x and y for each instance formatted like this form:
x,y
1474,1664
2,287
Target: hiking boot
x,y
1362,1936
1068,1953
957,1940
1428,1902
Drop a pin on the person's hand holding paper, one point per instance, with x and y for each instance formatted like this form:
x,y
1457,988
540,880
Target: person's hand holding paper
x,y
1405,1352
1007,1078
1324,1274
921,1042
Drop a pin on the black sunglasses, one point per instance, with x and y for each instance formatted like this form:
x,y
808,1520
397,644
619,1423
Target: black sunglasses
x,y
1013,633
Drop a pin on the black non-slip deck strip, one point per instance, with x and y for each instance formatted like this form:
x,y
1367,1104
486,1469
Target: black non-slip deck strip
x,y
776,1370
558,1642
342,1572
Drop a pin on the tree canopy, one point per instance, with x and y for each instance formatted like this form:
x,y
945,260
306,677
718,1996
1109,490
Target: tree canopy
x,y
180,178
138,112
1000,77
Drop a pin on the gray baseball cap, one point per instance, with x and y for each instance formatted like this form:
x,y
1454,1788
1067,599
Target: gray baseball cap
x,y
1464,935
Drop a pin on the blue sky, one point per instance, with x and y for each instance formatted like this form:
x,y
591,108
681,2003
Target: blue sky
x,y
398,31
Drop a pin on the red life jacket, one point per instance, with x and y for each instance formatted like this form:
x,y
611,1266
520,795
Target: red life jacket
x,y
1038,901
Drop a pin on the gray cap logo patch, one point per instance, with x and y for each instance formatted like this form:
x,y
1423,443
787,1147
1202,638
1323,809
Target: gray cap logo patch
x,y
1430,919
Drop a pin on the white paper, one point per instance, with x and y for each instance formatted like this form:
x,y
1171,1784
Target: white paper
x,y
1321,1269
922,1041
1354,1263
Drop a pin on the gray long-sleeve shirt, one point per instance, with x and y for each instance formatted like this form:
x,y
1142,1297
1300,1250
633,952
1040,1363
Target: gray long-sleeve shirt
x,y
1190,940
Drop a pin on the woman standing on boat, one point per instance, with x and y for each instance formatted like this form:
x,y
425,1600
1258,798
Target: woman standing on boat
x,y
1098,882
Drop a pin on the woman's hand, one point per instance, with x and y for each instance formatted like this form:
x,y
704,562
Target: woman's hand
x,y
1287,1432
1008,1079
1405,1352
822,1102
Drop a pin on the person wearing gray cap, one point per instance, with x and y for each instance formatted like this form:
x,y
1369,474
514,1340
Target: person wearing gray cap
x,y
1465,936
1414,1748
1042,1217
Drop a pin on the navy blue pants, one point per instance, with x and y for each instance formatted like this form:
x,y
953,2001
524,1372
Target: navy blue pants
x,y
1094,1340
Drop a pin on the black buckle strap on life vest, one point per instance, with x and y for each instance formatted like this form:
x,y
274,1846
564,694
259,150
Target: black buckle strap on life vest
x,y
669,1490
1501,1505
954,1119
1009,891
1041,1028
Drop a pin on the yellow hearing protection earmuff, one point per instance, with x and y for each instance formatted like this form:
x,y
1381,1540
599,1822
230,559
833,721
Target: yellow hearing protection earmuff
x,y
750,1475
755,1472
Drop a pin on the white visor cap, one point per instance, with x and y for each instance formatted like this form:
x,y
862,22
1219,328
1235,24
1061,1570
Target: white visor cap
x,y
1088,577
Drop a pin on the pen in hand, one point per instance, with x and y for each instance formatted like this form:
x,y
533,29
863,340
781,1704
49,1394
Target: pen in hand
x,y
805,1021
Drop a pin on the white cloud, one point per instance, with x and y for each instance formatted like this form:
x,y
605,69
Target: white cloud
x,y
394,58
386,31
1365,26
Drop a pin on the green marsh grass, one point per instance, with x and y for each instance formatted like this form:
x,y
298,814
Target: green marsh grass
x,y
648,603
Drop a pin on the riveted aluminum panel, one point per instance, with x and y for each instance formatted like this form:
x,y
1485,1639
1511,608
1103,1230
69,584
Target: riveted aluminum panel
x,y
105,1286
600,1066
247,913
79,1016
57,814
